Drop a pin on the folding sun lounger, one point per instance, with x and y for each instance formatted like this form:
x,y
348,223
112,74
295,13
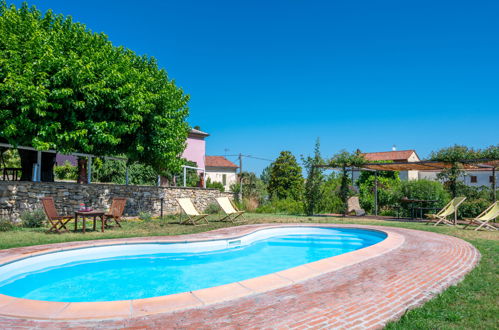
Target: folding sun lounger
x,y
193,216
450,208
231,213
483,218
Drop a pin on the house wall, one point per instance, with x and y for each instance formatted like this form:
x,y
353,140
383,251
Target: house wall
x,y
195,150
412,175
216,175
483,177
413,158
17,197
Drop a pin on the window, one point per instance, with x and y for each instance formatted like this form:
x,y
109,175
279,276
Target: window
x,y
473,179
224,179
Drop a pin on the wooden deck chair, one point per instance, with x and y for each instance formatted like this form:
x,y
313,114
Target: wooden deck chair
x,y
449,209
483,218
56,221
231,213
354,206
116,210
193,216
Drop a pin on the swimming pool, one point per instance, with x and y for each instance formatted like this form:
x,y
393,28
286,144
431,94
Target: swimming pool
x,y
137,271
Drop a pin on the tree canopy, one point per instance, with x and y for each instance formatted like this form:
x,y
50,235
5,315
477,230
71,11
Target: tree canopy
x,y
455,155
286,180
66,88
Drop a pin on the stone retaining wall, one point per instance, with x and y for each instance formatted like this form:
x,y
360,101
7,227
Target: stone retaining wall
x,y
17,197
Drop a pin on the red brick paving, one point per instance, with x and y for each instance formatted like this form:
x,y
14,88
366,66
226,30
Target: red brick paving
x,y
362,296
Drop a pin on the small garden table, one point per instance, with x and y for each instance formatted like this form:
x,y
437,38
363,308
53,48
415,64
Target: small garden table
x,y
418,205
94,214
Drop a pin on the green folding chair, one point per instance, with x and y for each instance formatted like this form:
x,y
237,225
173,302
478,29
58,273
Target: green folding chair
x,y
482,220
449,209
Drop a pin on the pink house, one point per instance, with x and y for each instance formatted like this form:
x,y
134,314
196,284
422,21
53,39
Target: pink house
x,y
196,147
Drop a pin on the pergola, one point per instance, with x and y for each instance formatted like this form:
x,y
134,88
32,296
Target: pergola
x,y
427,165
37,166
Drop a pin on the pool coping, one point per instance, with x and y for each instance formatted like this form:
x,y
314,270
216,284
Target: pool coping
x,y
47,310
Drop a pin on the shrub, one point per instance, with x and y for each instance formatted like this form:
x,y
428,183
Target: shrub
x,y
470,208
425,190
34,219
6,224
253,188
331,201
145,216
215,185
388,196
282,206
66,171
212,208
472,193
249,204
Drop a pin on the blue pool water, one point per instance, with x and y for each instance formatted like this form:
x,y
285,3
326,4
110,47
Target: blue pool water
x,y
135,271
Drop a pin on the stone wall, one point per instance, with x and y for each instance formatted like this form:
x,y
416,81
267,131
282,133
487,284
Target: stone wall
x,y
17,197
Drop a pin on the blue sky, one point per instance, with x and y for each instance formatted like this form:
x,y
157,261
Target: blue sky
x,y
266,76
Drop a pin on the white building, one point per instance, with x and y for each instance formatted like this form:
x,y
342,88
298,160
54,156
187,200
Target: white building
x,y
220,169
396,156
473,178
393,156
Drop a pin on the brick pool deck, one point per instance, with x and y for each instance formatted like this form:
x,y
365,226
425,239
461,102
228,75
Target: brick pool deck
x,y
363,289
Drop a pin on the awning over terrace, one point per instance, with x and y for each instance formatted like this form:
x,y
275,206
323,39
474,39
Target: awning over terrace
x,y
37,166
427,165
36,176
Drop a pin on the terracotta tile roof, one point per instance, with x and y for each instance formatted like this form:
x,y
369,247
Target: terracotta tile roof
x,y
219,161
402,155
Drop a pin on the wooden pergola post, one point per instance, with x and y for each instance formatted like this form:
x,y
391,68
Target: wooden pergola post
x,y
494,197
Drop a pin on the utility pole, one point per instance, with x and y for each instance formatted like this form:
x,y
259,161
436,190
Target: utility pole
x,y
240,177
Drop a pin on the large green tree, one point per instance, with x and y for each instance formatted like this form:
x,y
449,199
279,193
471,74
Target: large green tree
x,y
315,179
66,88
286,180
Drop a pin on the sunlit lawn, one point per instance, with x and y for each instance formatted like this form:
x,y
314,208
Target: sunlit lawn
x,y
472,304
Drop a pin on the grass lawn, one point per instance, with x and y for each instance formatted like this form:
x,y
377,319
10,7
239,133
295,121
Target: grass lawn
x,y
472,304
